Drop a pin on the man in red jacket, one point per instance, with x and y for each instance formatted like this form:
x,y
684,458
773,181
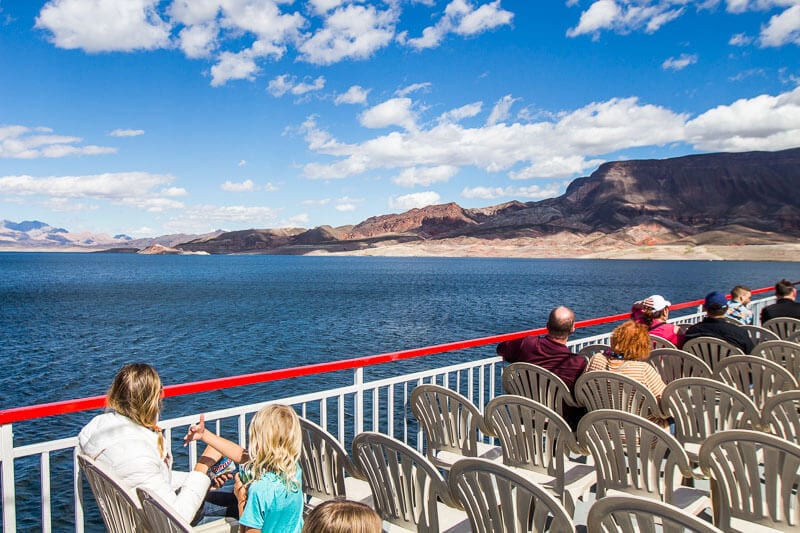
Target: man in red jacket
x,y
548,351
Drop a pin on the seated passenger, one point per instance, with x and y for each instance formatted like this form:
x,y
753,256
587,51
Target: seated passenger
x,y
342,516
129,442
786,306
653,312
716,325
630,348
737,306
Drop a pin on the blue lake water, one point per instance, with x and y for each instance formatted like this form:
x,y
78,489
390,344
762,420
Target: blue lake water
x,y
69,321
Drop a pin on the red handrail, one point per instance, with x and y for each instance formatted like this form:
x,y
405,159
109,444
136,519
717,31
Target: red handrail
x,y
18,414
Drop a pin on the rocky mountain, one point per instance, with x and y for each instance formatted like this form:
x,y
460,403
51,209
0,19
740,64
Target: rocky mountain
x,y
33,234
731,198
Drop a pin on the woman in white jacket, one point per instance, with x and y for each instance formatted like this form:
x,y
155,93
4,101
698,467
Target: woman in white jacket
x,y
129,441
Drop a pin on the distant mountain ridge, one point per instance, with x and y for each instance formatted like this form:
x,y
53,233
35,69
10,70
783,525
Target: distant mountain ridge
x,y
722,198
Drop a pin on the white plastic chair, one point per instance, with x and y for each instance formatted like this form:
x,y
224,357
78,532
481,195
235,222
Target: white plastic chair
x,y
661,342
328,472
756,377
758,334
783,327
634,514
711,350
635,456
754,480
407,489
539,384
673,364
119,507
536,440
785,353
781,416
498,499
612,390
162,518
451,424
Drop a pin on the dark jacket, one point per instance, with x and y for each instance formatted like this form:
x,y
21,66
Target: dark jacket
x,y
721,328
784,307
546,353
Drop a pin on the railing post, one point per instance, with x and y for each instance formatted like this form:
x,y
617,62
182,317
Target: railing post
x,y
358,400
7,477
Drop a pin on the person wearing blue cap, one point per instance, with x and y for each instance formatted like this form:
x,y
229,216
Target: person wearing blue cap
x,y
716,325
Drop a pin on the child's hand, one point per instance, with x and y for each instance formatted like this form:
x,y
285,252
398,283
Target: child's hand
x,y
195,431
239,489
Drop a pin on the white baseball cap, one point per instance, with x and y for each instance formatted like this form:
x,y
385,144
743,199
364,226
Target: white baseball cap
x,y
656,302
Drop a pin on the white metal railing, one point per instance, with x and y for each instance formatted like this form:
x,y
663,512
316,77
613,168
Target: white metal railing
x,y
379,405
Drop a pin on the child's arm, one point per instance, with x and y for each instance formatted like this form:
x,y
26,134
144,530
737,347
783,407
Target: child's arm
x,y
240,491
221,444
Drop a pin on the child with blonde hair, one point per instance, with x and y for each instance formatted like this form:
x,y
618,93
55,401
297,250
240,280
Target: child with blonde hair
x,y
269,485
343,516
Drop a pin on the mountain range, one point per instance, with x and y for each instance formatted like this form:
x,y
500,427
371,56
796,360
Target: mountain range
x,y
711,199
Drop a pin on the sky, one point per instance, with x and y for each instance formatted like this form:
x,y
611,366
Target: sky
x,y
148,117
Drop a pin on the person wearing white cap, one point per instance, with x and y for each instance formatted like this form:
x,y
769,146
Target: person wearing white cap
x,y
653,312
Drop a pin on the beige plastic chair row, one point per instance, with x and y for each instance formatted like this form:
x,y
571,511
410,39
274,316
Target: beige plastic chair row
x,y
124,512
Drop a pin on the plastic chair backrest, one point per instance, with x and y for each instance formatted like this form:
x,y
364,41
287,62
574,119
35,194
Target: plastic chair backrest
x,y
325,463
591,349
754,477
634,514
405,485
611,390
633,455
782,326
119,507
781,415
160,515
538,384
450,421
660,342
785,353
701,407
758,334
711,350
756,377
673,364
499,500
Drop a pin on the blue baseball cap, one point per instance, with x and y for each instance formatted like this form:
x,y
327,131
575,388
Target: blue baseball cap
x,y
716,299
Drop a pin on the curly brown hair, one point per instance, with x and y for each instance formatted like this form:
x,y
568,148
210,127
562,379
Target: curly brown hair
x,y
632,340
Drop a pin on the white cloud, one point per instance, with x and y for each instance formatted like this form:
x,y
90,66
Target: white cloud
x,y
417,199
271,187
241,163
462,18
137,189
352,31
22,142
394,112
345,207
425,176
323,201
126,133
783,28
104,26
460,113
556,167
199,40
354,95
207,218
245,186
761,123
626,16
300,220
501,110
234,66
740,39
414,87
286,83
323,6
533,192
679,63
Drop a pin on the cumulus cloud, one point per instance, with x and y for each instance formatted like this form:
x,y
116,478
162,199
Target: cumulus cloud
x,y
351,31
417,199
680,62
783,28
354,95
461,18
22,142
244,186
346,204
501,110
394,112
126,133
137,189
104,26
460,113
534,192
425,176
287,83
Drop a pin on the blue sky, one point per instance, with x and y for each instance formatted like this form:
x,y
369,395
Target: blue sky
x,y
150,117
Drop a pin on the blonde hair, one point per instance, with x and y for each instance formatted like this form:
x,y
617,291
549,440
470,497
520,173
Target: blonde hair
x,y
631,340
275,444
342,516
136,394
